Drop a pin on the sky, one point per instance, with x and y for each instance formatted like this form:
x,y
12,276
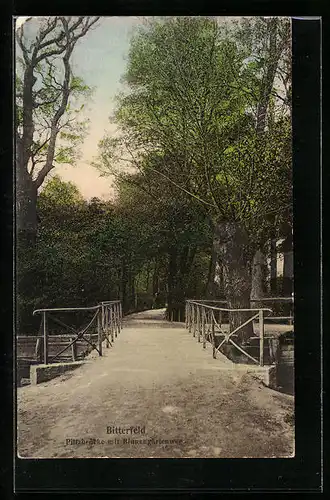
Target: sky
x,y
100,59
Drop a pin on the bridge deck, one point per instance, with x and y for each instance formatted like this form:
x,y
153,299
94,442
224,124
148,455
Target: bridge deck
x,y
158,377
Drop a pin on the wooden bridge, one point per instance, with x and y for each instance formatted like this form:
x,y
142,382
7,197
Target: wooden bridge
x,y
154,392
104,324
209,320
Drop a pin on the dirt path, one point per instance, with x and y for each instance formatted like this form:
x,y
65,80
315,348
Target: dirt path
x,y
157,377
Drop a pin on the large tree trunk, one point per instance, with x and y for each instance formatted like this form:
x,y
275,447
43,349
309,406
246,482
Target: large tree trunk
x,y
155,285
26,214
210,285
26,189
26,201
26,233
287,249
179,266
273,267
258,278
171,274
172,284
131,289
275,50
274,53
124,285
234,254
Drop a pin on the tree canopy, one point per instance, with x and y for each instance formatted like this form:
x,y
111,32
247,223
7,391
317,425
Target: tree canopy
x,y
191,115
202,164
204,112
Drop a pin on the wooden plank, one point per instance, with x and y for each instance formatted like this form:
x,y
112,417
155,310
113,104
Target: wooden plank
x,y
74,351
38,350
244,352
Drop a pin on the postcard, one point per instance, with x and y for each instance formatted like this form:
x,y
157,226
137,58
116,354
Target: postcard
x,y
154,242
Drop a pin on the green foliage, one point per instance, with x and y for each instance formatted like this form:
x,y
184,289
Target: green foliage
x,y
92,251
187,158
59,193
190,115
206,129
77,84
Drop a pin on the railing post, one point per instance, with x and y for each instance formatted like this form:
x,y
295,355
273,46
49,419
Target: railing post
x,y
197,319
99,330
114,318
189,308
118,316
291,313
204,327
198,323
44,318
193,319
111,323
190,312
121,315
115,322
261,336
106,320
213,337
102,316
185,314
38,353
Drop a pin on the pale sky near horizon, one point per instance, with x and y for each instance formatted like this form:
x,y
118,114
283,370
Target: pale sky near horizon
x,y
100,59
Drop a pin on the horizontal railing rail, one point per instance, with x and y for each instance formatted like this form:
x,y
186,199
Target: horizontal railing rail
x,y
268,300
106,321
66,309
206,321
275,301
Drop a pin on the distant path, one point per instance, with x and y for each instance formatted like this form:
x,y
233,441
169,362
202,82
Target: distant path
x,y
156,375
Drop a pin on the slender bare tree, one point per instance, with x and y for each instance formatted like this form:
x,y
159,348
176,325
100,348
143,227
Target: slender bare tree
x,y
47,130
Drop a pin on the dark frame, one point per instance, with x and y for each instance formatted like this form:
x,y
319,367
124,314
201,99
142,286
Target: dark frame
x,y
157,476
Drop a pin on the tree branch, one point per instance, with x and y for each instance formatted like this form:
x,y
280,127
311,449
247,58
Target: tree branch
x,y
51,26
182,188
44,103
20,35
41,146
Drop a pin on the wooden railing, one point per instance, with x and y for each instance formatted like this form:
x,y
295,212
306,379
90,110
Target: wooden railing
x,y
206,321
106,322
272,302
